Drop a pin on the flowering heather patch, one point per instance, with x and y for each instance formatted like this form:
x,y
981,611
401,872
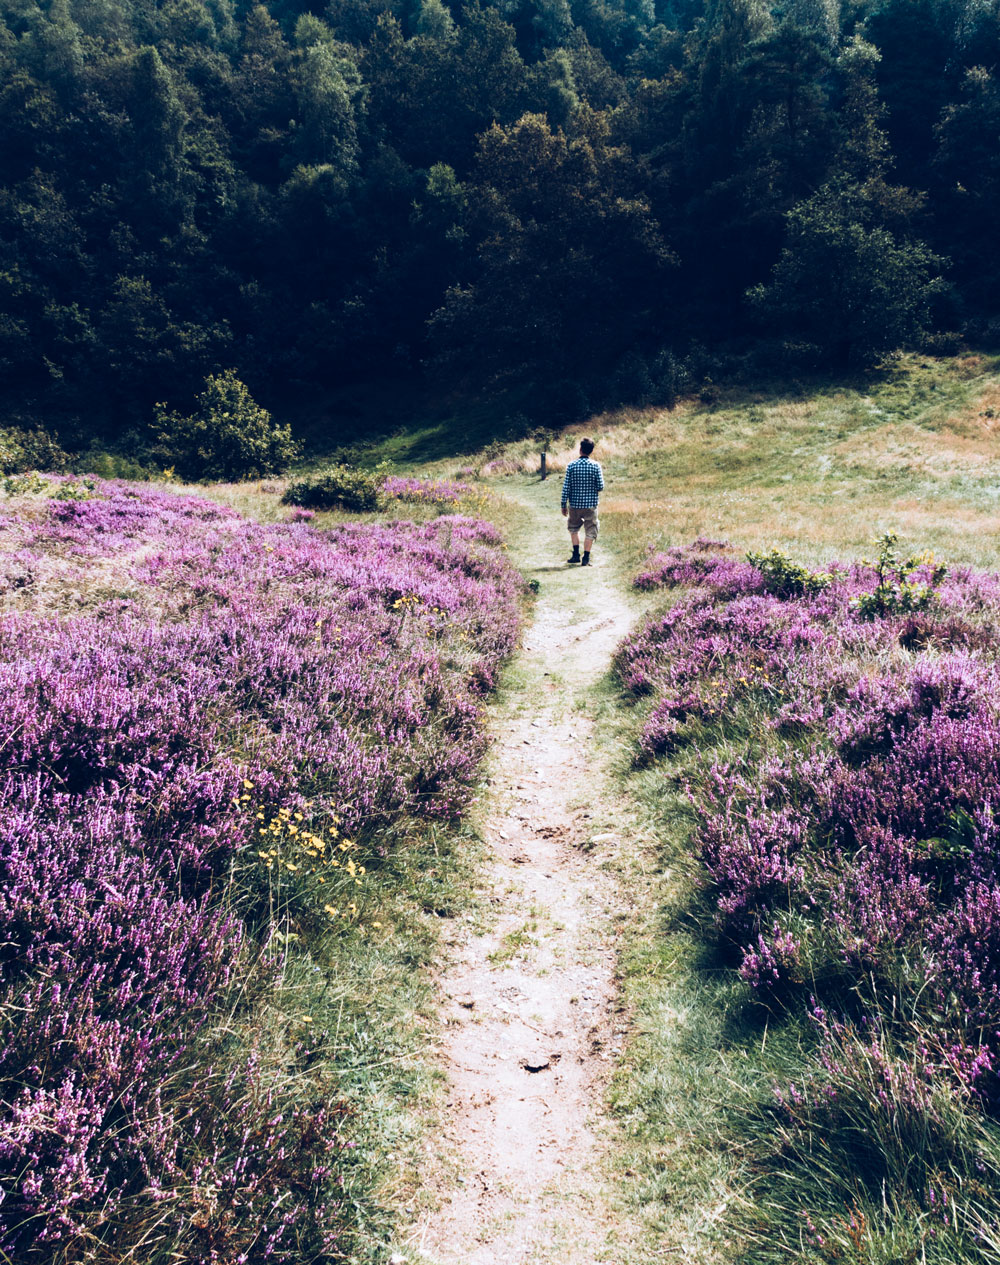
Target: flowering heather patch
x,y
425,491
861,840
842,757
707,562
189,697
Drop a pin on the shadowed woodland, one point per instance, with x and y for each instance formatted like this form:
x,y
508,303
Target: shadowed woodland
x,y
591,202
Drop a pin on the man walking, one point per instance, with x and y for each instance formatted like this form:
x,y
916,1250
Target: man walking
x,y
582,487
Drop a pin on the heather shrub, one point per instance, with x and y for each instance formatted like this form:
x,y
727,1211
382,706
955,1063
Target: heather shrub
x,y
710,563
339,487
228,437
839,738
202,763
424,491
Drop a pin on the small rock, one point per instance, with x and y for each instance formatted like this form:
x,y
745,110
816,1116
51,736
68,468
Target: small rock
x,y
537,1065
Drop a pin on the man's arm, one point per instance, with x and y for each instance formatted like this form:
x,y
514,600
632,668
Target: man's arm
x,y
600,479
565,491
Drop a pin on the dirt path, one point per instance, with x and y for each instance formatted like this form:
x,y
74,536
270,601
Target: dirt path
x,y
530,1002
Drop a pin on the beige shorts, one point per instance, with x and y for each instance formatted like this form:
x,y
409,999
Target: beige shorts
x,y
585,519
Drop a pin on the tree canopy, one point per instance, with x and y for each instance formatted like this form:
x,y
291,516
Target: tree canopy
x,y
311,193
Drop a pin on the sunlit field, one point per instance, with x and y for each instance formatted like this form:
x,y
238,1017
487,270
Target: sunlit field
x,y
817,470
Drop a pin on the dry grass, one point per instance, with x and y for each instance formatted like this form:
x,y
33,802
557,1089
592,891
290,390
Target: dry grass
x,y
980,421
818,476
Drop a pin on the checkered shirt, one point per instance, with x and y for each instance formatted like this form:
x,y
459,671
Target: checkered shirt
x,y
584,480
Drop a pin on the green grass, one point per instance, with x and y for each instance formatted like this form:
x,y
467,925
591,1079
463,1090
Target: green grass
x,y
515,942
403,421
822,473
366,984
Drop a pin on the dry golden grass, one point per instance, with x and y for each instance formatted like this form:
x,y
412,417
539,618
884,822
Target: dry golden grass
x,y
259,499
936,454
980,421
818,475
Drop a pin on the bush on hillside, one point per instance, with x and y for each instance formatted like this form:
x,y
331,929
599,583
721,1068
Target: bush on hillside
x,y
36,449
108,464
339,487
229,437
644,380
846,282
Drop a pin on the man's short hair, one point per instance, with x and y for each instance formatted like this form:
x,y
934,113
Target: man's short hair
x,y
586,447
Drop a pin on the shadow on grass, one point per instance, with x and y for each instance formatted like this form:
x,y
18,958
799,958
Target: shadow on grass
x,y
402,420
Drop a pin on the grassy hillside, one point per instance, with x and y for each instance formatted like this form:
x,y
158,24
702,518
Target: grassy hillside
x,y
146,587
863,1154
819,471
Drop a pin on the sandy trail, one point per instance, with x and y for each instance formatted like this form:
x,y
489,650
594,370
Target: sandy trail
x,y
530,1003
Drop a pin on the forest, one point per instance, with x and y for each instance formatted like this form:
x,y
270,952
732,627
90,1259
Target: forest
x,y
586,201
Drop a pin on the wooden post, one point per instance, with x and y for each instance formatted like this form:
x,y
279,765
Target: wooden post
x,y
544,471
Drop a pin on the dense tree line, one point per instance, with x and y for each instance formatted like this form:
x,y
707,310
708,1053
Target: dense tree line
x,y
573,193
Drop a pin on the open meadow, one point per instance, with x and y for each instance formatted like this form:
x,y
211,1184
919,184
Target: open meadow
x,y
377,886
243,765
810,740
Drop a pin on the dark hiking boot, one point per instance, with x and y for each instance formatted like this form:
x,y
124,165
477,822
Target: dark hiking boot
x,y
585,560
574,556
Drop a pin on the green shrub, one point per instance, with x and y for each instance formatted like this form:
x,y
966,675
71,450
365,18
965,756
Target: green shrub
x,y
229,437
75,490
29,484
784,578
947,342
339,487
113,465
35,449
896,592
